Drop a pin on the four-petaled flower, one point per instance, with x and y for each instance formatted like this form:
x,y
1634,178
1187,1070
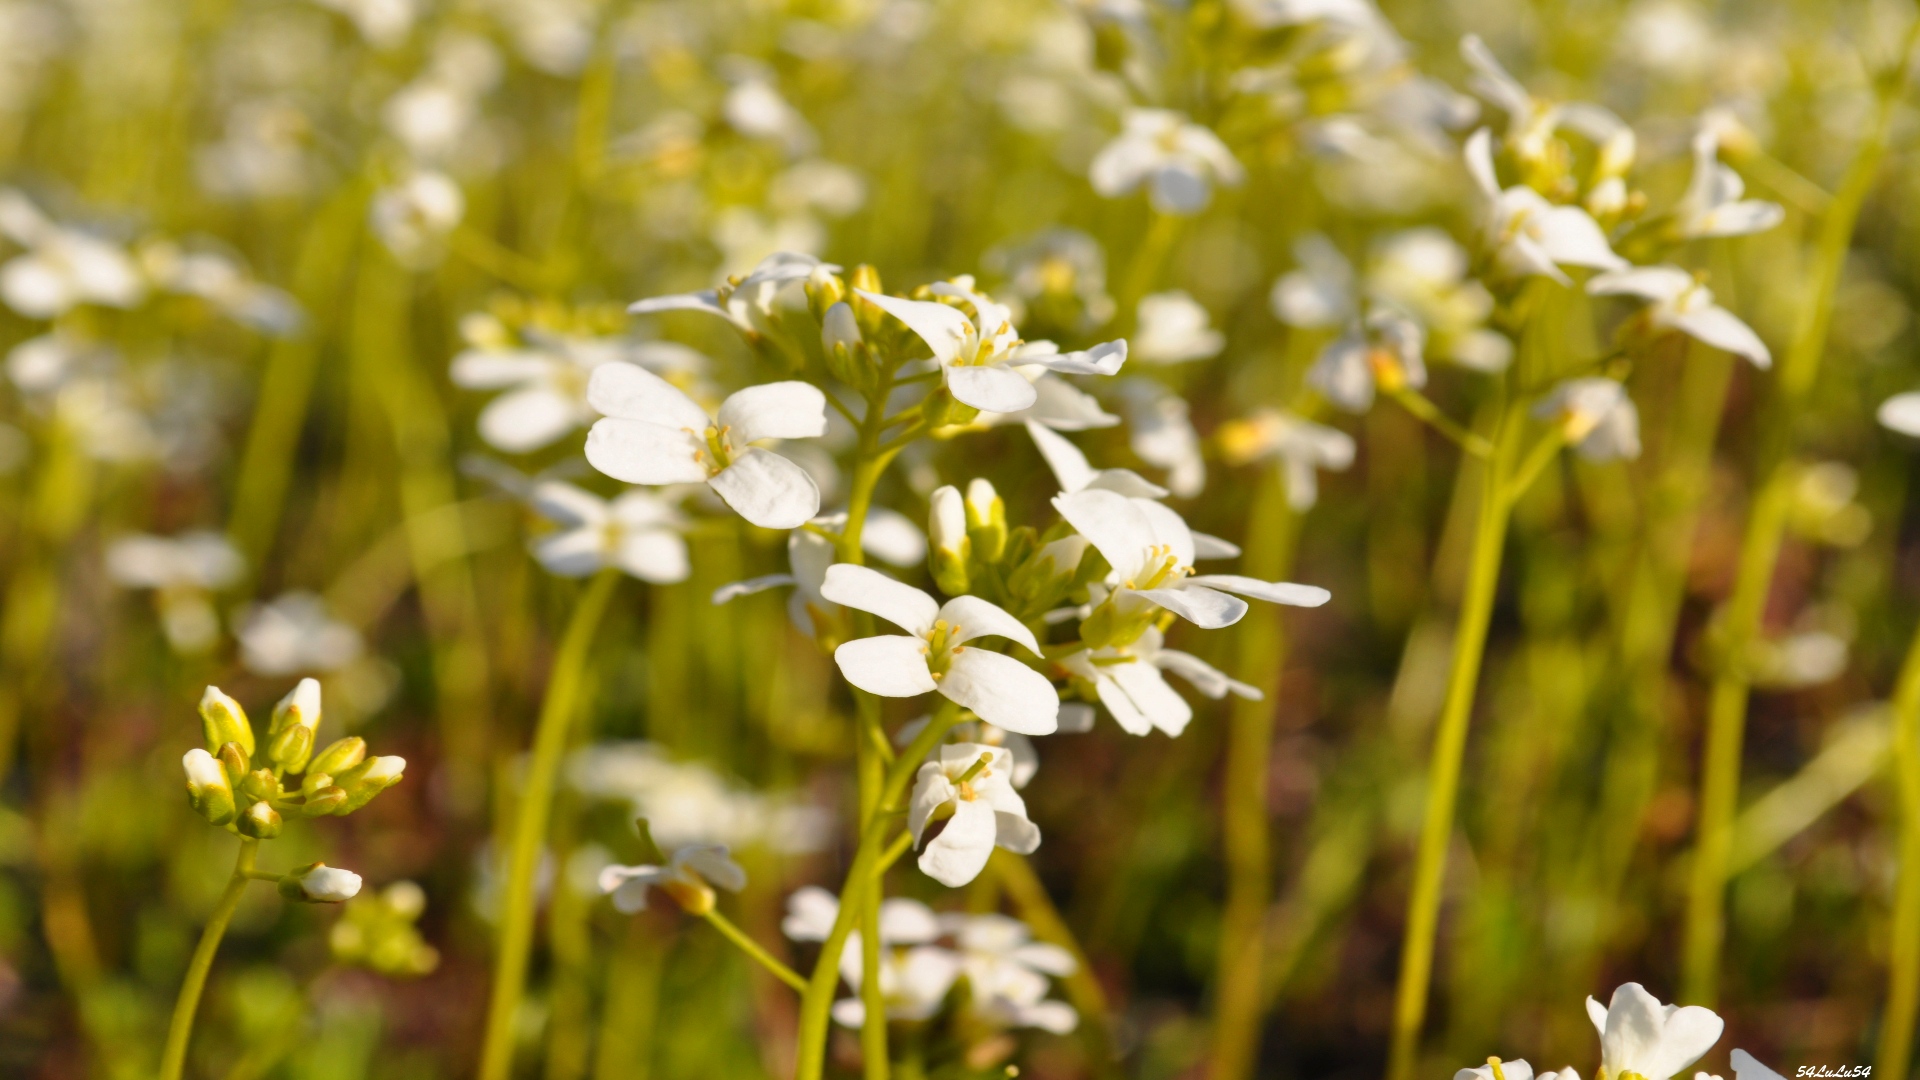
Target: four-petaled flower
x,y
1131,682
1682,303
688,877
1008,972
1530,235
746,302
655,434
636,531
1713,205
546,382
1178,161
999,689
1639,1035
1596,416
976,783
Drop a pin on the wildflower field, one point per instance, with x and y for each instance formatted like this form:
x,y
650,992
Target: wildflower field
x,y
959,539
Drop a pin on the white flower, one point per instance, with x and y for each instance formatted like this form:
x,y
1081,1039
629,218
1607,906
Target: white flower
x,y
636,531
755,108
934,655
1321,293
294,635
978,356
1151,551
1131,683
1530,235
914,974
220,280
325,884
384,23
1680,302
1387,350
1008,972
1177,161
1712,205
546,380
986,811
413,216
1074,473
1901,413
1640,1035
747,303
62,267
199,559
687,877
1597,417
1531,123
889,537
1517,1069
1423,273
1747,1067
1173,329
1163,435
1300,446
655,434
686,802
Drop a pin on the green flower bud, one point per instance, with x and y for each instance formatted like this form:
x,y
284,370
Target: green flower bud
x,y
295,720
339,756
324,801
208,790
951,547
261,821
367,779
224,721
986,520
866,279
847,355
942,410
824,289
260,784
234,761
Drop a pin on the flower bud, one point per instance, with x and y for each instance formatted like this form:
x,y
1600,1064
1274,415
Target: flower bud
x,y
824,289
208,790
261,821
324,801
260,784
986,520
224,721
367,779
234,761
846,353
339,756
295,720
320,884
951,547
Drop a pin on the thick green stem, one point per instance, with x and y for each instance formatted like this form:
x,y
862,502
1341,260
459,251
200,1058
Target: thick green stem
x,y
173,1061
1894,1056
1774,475
530,825
1449,745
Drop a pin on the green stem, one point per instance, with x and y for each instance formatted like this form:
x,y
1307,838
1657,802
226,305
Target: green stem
x,y
1449,747
530,825
173,1061
1423,407
752,948
1760,552
1894,1056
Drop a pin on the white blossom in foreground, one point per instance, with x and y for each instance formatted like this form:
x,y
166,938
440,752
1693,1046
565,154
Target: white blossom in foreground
x,y
61,267
1640,1035
655,434
746,302
1517,1069
1528,234
1712,205
975,783
294,635
1173,328
979,356
688,877
1301,447
546,380
1131,682
414,216
1680,302
1596,416
934,656
1177,161
637,531
1151,551
1008,972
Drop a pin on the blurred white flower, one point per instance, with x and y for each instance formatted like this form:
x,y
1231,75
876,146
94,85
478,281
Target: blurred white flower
x,y
1173,328
414,216
1901,413
1007,972
998,688
1162,435
1681,302
546,378
914,974
383,23
1712,205
755,108
985,812
294,635
1058,272
1596,416
687,877
1422,273
1322,293
1177,161
636,531
62,267
655,434
262,152
747,303
182,571
818,185
1386,351
1300,446
220,280
1640,1035
1528,234
1532,122
555,36
685,802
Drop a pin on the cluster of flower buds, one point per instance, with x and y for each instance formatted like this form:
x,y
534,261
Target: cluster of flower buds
x,y
226,786
1021,569
378,932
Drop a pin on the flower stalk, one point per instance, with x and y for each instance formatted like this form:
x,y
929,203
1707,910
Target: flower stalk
x,y
1894,1055
173,1059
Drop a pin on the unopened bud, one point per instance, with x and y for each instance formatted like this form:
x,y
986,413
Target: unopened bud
x,y
260,784
295,719
224,721
234,761
941,409
824,289
367,779
986,520
208,790
261,821
339,756
846,354
320,884
867,279
951,547
324,801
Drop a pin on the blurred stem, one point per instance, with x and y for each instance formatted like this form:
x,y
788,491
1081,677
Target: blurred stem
x,y
1083,988
1450,740
624,1050
1423,407
1774,474
30,617
173,1059
1894,1055
752,948
1239,968
530,824
1148,259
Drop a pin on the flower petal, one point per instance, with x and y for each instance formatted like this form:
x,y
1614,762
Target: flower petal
x,y
573,553
890,665
931,791
781,410
527,420
995,388
1722,329
767,489
707,301
1149,692
1103,359
656,555
1278,592
971,617
866,589
1204,677
1015,833
631,392
1647,282
943,328
1901,413
486,369
960,852
1199,605
1112,523
736,589
637,452
1570,235
1002,691
1070,467
712,862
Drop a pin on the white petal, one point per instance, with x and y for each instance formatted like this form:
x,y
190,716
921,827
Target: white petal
x,y
34,288
890,666
1901,413
656,555
1056,1017
943,328
1688,1034
1342,373
641,453
1064,407
1169,530
960,852
527,420
1069,465
767,489
736,589
1002,691
708,301
631,392
481,369
1113,524
1737,219
1204,677
1479,158
1103,359
1649,282
574,553
866,589
1149,692
996,388
711,862
931,791
1722,329
1746,1067
1128,483
565,504
1126,713
1199,605
1179,187
782,410
1278,592
893,538
1213,547
1570,235
1597,1013
1015,833
971,617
